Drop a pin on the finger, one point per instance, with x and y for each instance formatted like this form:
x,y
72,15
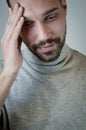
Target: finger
x,y
14,11
14,19
18,28
17,16
10,13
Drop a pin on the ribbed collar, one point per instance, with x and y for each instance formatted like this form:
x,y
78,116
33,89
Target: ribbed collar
x,y
46,67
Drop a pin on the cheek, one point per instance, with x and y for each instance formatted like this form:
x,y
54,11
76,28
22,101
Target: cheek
x,y
27,36
59,27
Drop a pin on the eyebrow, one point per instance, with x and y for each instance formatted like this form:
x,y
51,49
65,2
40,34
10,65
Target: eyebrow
x,y
46,13
26,19
50,11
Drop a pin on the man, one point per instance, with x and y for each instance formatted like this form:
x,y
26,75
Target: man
x,y
44,86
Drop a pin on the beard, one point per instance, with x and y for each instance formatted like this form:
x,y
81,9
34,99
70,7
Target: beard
x,y
47,56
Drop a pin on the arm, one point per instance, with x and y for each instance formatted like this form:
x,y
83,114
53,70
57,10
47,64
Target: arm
x,y
11,50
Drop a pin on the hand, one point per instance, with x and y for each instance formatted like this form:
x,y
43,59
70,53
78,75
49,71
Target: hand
x,y
11,41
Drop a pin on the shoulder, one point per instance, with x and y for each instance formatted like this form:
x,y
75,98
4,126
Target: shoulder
x,y
80,58
78,63
79,54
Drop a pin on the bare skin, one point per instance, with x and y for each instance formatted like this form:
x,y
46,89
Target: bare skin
x,y
12,58
38,28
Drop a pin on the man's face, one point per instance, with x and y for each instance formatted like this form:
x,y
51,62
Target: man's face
x,y
44,27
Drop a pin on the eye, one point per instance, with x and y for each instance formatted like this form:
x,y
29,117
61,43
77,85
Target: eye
x,y
51,17
28,24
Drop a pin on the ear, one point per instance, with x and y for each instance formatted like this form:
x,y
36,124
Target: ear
x,y
64,5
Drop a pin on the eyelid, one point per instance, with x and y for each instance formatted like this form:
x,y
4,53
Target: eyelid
x,y
28,23
50,15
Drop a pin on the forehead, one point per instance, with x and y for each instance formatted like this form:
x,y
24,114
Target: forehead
x,y
36,7
33,3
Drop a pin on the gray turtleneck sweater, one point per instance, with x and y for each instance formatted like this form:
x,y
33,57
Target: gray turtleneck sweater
x,y
48,96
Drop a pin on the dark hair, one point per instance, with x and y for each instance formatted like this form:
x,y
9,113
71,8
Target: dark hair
x,y
8,2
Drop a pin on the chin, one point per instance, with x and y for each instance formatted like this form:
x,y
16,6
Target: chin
x,y
49,56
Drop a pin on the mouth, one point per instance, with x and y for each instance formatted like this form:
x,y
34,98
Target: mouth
x,y
47,47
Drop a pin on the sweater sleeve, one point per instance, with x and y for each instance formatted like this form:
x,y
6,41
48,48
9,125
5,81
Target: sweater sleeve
x,y
4,122
1,120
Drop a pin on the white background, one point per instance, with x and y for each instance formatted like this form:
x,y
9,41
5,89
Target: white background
x,y
76,23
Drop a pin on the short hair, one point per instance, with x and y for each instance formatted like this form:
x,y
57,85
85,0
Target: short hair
x,y
8,2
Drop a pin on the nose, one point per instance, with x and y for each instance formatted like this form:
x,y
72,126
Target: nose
x,y
43,32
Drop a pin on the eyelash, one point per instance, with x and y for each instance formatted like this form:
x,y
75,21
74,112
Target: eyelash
x,y
28,25
51,17
47,19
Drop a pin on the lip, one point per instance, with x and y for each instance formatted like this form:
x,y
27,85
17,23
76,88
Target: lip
x,y
47,47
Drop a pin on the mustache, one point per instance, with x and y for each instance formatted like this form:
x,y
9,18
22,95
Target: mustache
x,y
48,41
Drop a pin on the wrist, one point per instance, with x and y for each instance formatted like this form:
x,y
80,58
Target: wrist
x,y
6,73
